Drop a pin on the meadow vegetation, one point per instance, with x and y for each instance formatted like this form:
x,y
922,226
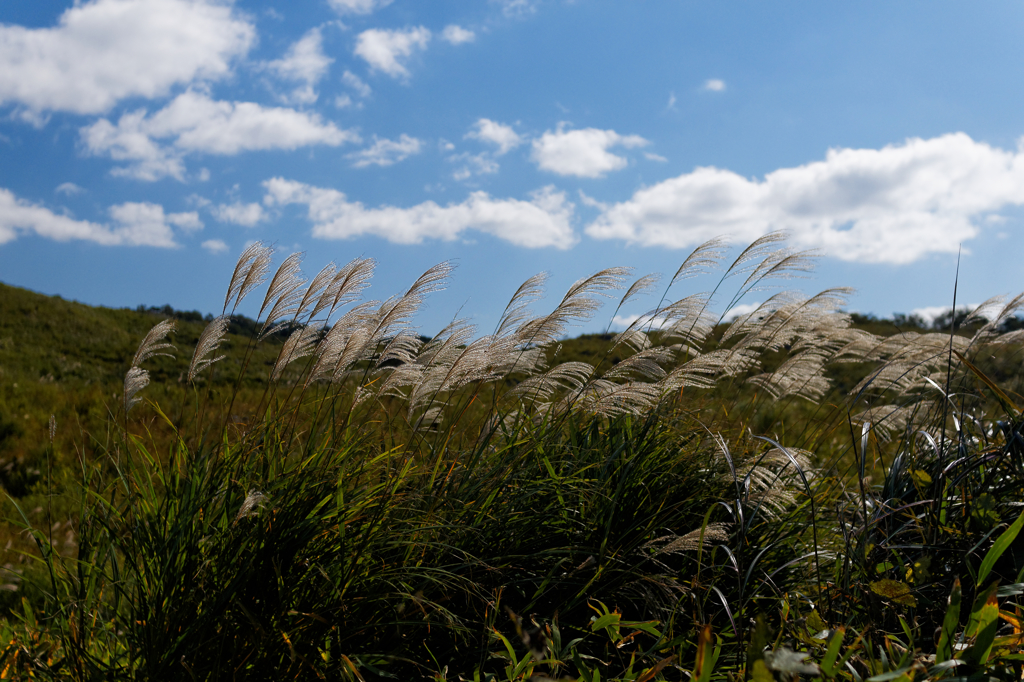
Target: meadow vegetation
x,y
323,493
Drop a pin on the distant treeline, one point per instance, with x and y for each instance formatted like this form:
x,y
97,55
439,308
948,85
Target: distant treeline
x,y
246,326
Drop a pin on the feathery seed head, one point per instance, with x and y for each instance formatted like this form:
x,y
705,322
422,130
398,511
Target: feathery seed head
x,y
286,282
134,381
253,273
152,344
209,341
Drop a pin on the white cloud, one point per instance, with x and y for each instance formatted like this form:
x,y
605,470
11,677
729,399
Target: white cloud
x,y
714,85
146,223
385,50
103,51
890,205
623,321
215,246
238,213
386,152
305,62
456,35
473,164
187,221
68,189
651,156
353,81
134,224
193,122
516,8
932,312
343,102
357,6
583,153
929,313
739,310
543,221
503,136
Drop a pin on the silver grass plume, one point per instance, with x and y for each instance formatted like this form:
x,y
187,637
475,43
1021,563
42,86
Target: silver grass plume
x,y
397,313
283,294
801,375
758,250
134,381
402,349
245,261
358,346
780,264
251,505
137,378
712,533
573,375
704,370
771,481
688,319
346,286
611,399
580,302
209,342
703,260
153,343
299,344
517,310
637,288
251,272
315,291
352,325
886,419
646,364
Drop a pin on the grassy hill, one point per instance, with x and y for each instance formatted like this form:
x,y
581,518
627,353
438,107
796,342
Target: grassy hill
x,y
642,509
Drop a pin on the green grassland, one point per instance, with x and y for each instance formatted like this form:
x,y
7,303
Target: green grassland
x,y
801,492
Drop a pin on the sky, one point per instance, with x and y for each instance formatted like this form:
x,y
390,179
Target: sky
x,y
145,143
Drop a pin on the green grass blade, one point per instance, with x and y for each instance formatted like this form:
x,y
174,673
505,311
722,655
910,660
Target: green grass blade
x,y
1001,544
944,652
828,663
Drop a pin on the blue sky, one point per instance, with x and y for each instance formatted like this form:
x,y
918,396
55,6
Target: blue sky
x,y
144,143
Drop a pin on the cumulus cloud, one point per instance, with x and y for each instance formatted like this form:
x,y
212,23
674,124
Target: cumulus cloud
x,y
583,153
456,35
543,221
517,8
714,85
353,81
889,205
498,134
194,123
623,321
357,6
134,224
472,164
68,189
740,310
103,51
386,50
215,246
246,215
385,152
304,62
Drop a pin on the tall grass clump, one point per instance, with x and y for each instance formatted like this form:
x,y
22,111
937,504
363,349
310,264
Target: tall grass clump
x,y
698,501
